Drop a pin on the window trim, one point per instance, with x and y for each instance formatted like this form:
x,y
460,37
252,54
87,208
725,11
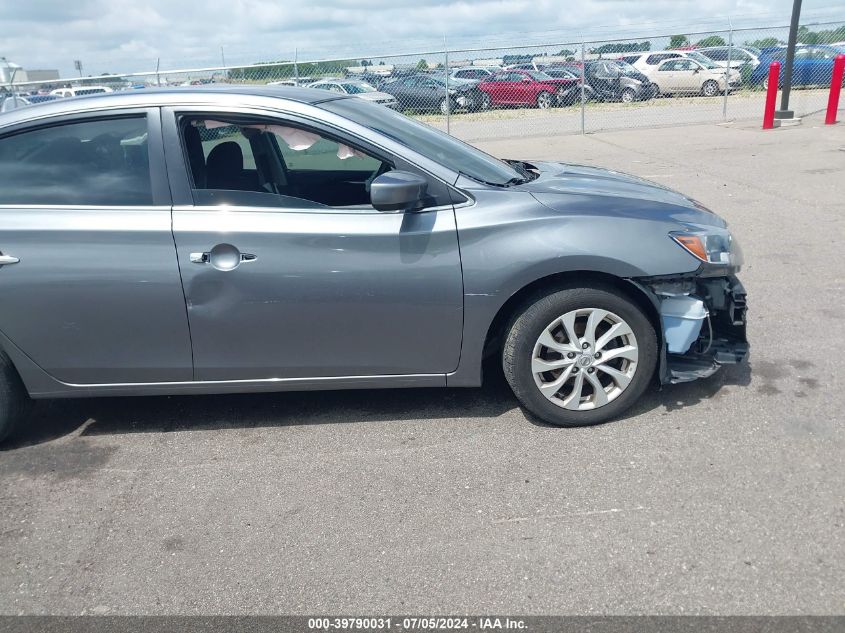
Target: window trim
x,y
159,184
178,168
306,206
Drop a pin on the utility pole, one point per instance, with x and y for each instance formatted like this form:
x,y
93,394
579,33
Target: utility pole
x,y
785,113
77,63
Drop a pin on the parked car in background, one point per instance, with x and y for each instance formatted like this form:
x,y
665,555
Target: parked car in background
x,y
614,80
80,91
813,65
526,88
466,74
572,94
336,244
356,88
374,79
525,66
429,92
688,76
293,81
645,62
740,56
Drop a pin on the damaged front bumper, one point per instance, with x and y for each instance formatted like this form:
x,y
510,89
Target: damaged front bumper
x,y
703,322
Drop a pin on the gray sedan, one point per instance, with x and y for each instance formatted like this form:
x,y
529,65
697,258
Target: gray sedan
x,y
242,239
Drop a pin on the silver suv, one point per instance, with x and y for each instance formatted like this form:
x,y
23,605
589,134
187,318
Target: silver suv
x,y
235,239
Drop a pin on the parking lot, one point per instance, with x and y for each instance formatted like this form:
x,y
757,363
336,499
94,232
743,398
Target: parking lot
x,y
722,496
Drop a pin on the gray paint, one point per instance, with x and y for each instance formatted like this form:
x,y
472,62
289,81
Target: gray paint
x,y
330,298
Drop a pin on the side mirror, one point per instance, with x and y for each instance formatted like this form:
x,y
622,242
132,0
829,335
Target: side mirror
x,y
526,80
397,191
695,71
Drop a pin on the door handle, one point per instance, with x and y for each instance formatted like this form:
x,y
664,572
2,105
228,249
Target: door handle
x,y
7,260
196,258
223,257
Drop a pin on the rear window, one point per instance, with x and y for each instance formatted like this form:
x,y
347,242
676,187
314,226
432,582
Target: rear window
x,y
103,163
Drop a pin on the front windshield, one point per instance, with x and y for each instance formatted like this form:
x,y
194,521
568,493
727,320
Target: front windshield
x,y
701,59
357,88
537,75
432,143
625,68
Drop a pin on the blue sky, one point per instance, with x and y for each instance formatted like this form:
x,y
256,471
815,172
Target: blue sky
x,y
127,35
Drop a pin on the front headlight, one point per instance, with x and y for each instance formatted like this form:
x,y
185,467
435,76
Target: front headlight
x,y
710,244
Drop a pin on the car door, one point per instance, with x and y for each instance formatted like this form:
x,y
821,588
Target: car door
x,y
688,77
663,76
497,87
89,285
607,78
403,90
525,89
429,93
288,271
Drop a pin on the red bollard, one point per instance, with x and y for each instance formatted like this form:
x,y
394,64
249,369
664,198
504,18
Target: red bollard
x,y
771,96
835,89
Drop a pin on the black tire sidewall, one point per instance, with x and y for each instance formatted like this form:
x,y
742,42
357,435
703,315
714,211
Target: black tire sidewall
x,y
14,400
526,328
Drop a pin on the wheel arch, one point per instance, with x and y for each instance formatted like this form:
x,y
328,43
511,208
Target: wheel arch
x,y
570,279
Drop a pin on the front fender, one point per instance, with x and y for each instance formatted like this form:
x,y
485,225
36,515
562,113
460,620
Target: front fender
x,y
508,240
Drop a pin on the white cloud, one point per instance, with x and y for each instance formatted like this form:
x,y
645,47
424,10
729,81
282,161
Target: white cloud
x,y
125,35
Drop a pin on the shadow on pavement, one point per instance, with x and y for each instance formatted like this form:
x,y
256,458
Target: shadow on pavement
x,y
51,420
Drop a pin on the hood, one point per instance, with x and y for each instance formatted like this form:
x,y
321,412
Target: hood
x,y
463,87
604,192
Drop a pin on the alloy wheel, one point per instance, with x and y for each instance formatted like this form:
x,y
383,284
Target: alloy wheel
x,y
544,100
585,359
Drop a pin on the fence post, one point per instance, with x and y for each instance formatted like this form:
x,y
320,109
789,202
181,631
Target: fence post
x,y
583,93
728,73
448,97
296,66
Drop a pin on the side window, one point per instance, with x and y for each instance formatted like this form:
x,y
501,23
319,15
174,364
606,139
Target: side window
x,y
271,163
104,162
719,54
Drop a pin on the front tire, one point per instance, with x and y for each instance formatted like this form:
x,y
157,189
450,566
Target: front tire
x,y
447,106
580,356
14,400
486,102
710,88
544,100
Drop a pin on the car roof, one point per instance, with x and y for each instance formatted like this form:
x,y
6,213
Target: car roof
x,y
210,94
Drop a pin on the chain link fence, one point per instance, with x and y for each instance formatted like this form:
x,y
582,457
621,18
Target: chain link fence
x,y
542,89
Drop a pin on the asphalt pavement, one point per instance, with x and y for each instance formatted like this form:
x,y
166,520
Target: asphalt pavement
x,y
723,496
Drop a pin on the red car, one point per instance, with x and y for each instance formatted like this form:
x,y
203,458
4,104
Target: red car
x,y
525,87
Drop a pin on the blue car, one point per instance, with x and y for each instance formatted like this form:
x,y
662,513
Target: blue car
x,y
813,65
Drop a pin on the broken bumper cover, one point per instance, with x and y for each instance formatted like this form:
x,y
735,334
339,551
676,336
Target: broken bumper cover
x,y
720,339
